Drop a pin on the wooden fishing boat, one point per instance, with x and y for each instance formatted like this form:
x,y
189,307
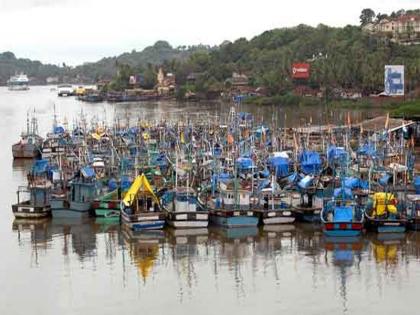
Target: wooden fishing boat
x,y
78,202
225,211
274,207
341,217
382,215
37,206
140,208
37,192
30,142
413,211
183,209
108,206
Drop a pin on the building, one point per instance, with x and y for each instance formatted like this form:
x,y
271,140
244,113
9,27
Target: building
x,y
404,29
165,83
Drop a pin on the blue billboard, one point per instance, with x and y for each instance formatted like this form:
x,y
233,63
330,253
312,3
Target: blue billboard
x,y
394,80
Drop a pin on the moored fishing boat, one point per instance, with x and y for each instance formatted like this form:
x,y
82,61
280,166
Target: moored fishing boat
x,y
382,215
183,210
226,210
341,217
140,208
108,206
78,202
36,205
30,142
413,211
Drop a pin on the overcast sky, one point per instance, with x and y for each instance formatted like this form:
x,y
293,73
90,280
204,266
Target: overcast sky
x,y
76,31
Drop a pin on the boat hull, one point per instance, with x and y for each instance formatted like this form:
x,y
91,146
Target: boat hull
x,y
63,209
144,221
25,151
308,215
26,211
386,226
276,216
233,221
193,219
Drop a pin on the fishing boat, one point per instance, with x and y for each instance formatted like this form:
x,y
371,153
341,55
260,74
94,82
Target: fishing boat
x,y
230,208
36,204
413,211
108,206
19,82
140,208
307,201
78,202
382,215
341,217
183,209
30,142
273,206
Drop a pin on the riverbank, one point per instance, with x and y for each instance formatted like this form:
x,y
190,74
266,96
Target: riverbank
x,y
397,107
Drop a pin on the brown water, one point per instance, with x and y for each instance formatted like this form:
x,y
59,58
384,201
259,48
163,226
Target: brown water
x,y
56,267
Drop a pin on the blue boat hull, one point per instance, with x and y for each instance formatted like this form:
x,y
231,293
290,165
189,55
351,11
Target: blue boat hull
x,y
342,233
151,225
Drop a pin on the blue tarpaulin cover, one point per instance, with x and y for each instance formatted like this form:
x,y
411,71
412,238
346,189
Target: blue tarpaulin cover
x,y
310,162
336,153
306,182
58,130
112,184
125,183
343,214
343,194
280,164
417,184
244,163
366,149
40,166
87,172
354,183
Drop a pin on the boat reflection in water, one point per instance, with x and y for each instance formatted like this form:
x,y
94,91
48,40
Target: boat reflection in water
x,y
236,263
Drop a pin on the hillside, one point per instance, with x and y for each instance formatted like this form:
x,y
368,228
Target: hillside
x,y
157,54
10,65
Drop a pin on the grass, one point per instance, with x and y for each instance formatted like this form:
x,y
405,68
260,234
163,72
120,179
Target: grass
x,y
407,109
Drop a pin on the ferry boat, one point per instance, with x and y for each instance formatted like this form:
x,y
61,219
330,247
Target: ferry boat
x,y
19,82
140,207
183,209
65,90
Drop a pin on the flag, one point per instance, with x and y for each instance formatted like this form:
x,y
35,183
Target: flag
x,y
387,121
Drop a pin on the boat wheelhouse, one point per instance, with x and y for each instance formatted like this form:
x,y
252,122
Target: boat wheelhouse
x,y
140,208
183,210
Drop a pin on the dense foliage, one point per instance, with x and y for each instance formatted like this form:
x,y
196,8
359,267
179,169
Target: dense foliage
x,y
339,57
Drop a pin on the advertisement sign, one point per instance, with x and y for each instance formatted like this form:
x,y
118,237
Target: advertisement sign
x,y
132,80
300,71
394,80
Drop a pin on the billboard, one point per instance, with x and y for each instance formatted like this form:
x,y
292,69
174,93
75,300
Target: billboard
x,y
394,80
300,71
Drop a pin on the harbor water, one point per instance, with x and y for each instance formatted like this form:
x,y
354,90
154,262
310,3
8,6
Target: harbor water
x,y
94,267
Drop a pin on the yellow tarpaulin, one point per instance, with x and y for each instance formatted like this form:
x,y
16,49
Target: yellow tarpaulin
x,y
384,202
96,136
140,183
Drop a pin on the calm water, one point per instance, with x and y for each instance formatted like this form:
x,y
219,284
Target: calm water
x,y
56,267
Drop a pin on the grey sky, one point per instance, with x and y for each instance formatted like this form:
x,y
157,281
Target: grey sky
x,y
75,31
